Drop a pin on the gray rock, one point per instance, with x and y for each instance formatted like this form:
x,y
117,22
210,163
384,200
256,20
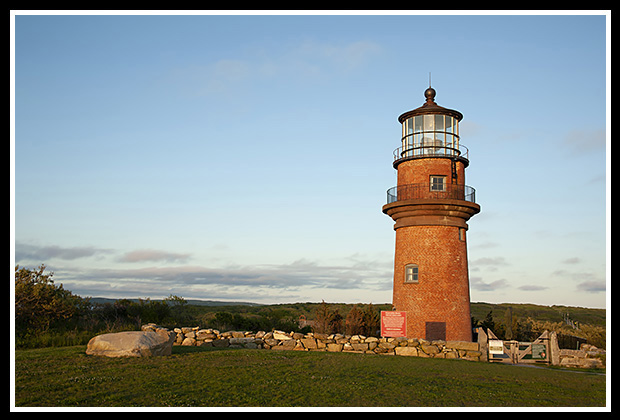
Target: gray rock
x,y
429,349
281,335
271,342
309,343
132,344
406,351
189,341
334,347
387,346
360,346
240,340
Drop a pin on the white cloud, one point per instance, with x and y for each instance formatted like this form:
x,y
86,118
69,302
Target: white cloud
x,y
489,263
592,286
344,57
152,255
298,278
532,288
478,284
494,261
588,281
579,142
224,74
306,60
41,254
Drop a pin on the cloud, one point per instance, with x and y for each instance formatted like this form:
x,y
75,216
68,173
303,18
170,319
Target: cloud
x,y
532,288
592,286
225,73
141,255
589,282
302,61
44,253
572,260
492,261
478,284
486,245
579,142
470,129
201,282
575,276
344,57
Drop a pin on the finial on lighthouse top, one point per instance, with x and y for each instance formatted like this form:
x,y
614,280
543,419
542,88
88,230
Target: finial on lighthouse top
x,y
429,94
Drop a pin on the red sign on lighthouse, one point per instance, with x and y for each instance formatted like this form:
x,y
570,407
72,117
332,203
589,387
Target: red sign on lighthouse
x,y
393,324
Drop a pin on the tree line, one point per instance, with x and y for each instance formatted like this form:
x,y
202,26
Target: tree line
x,y
47,314
365,321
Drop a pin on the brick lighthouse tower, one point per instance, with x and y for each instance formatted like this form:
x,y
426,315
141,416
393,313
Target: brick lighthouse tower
x,y
430,207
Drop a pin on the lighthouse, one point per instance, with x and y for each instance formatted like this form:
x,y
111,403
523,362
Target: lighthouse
x,y
430,206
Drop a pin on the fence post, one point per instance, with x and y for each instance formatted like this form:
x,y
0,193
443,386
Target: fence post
x,y
483,344
554,349
514,351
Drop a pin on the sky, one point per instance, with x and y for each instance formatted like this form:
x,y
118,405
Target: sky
x,y
247,157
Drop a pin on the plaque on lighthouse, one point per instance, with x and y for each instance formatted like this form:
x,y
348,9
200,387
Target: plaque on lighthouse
x,y
393,324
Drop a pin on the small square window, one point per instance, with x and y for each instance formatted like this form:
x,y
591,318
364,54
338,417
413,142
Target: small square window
x,y
461,234
411,273
438,183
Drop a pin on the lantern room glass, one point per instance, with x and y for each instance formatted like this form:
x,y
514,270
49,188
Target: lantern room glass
x,y
430,134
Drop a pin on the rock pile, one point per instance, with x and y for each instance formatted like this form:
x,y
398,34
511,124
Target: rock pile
x,y
280,340
588,356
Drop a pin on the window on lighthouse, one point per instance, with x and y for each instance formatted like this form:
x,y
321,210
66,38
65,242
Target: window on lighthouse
x,y
438,183
411,273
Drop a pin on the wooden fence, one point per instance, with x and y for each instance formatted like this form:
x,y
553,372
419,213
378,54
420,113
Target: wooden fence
x,y
544,349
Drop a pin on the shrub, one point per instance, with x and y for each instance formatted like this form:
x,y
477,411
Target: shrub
x,y
40,304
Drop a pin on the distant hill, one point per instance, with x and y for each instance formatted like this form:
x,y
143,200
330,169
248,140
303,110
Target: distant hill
x,y
197,302
479,310
554,313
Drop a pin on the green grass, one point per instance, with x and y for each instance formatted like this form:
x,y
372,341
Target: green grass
x,y
196,377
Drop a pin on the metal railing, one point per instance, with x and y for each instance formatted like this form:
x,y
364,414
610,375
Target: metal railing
x,y
419,151
431,191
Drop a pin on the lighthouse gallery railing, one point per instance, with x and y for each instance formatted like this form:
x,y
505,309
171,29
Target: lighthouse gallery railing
x,y
431,191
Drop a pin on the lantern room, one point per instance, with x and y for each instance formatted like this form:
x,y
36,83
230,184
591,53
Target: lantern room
x,y
430,131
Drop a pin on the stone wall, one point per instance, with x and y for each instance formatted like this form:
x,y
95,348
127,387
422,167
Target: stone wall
x,y
280,340
588,356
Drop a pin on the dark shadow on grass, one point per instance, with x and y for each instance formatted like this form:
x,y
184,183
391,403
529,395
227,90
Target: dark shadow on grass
x,y
201,349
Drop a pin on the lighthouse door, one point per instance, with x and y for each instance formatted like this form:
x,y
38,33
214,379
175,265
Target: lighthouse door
x,y
435,331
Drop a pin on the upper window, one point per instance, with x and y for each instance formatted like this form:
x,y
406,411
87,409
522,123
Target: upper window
x,y
438,183
411,273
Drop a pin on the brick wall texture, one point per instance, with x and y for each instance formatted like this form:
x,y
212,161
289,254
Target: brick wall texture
x,y
419,170
442,291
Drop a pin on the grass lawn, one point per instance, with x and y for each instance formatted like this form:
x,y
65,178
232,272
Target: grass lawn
x,y
196,377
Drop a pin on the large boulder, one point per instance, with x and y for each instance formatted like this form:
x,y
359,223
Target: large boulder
x,y
132,344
